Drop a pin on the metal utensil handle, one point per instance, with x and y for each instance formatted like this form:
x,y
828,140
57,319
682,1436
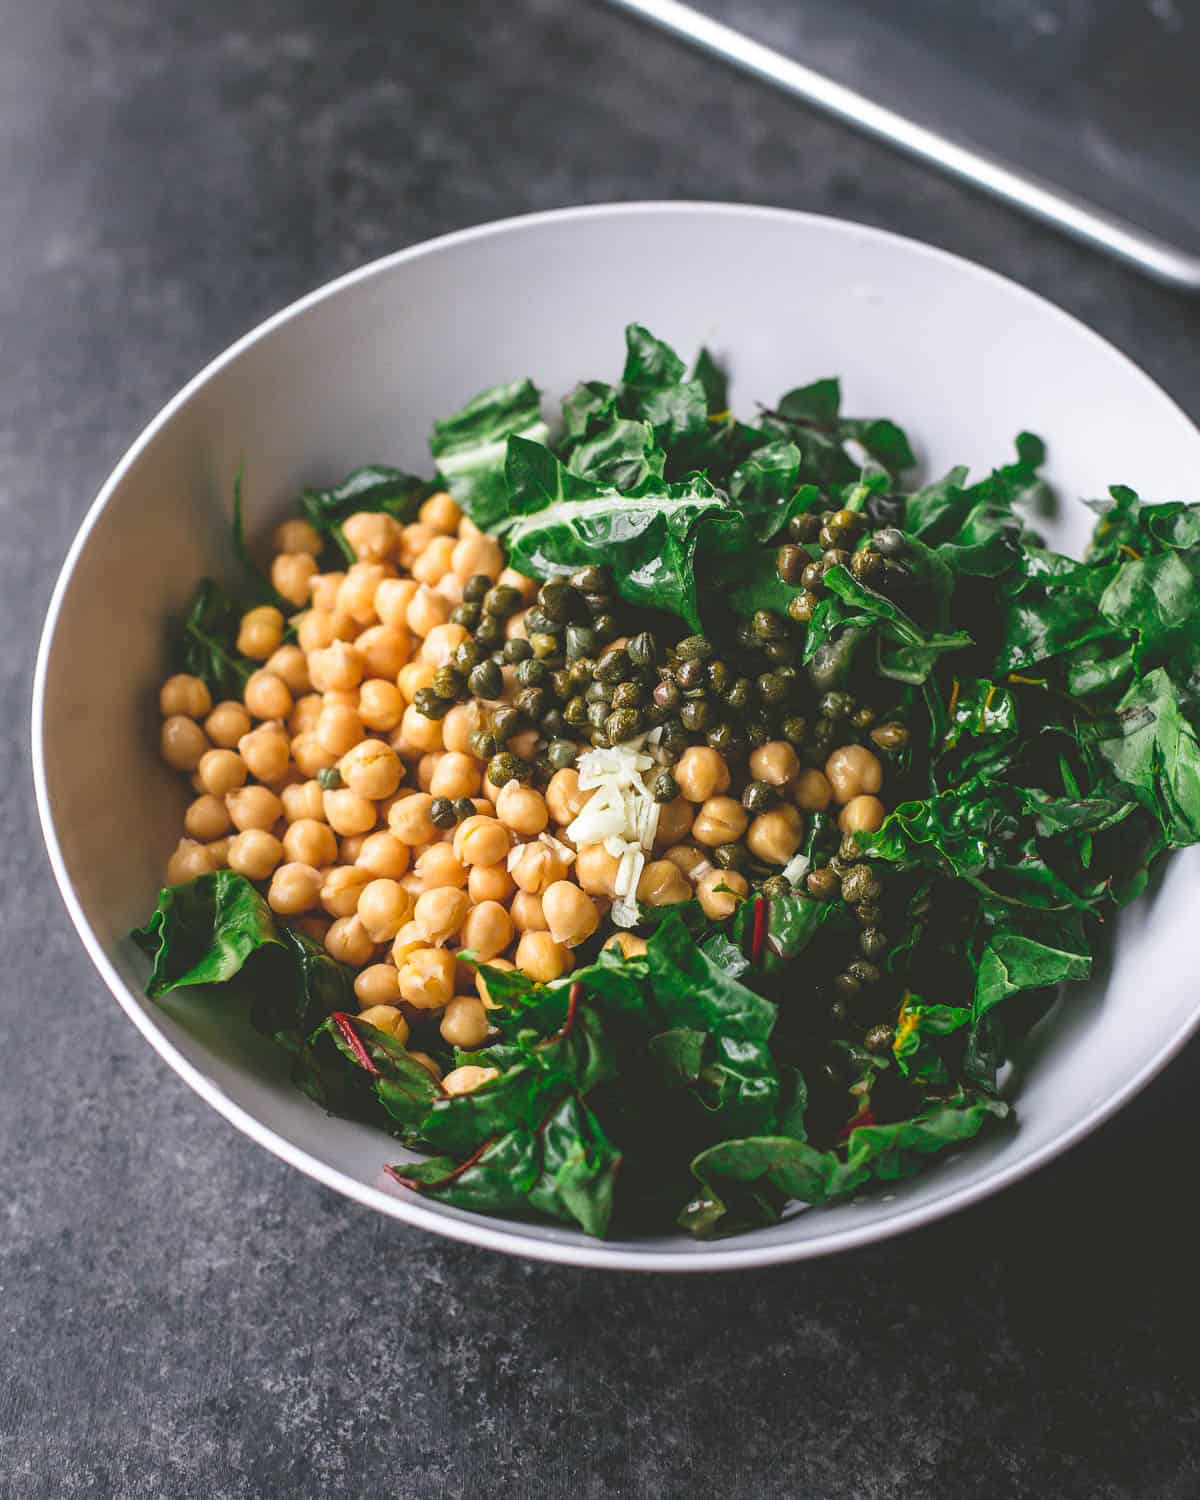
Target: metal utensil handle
x,y
1157,257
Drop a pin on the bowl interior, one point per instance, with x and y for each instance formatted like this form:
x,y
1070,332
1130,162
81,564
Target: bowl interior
x,y
358,372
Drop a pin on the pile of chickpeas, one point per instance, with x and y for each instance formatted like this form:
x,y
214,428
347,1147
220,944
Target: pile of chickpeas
x,y
329,788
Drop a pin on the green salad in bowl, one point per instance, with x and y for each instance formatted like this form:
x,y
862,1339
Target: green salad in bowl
x,y
654,816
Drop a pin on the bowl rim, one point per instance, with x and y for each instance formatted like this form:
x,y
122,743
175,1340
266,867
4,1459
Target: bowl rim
x,y
505,1235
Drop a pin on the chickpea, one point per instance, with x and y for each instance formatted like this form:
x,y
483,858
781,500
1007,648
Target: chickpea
x,y
290,665
527,914
852,771
325,591
543,959
524,744
384,650
407,940
442,642
419,732
341,888
385,1018
776,763
464,1022
409,819
310,842
675,821
439,866
812,791
298,536
303,800
380,705
481,987
189,861
221,771
626,944
456,775
440,913
255,853
863,814
596,870
467,1079
347,813
522,809
515,627
314,631
440,512
338,728
701,773
481,840
392,599
291,573
206,818
721,820
372,769
477,554
226,724
525,586
570,914
267,696
384,906
414,676
304,715
309,755
776,835
563,796
314,927
720,891
489,883
348,942
254,807
434,560
427,977
184,696
537,866
295,888
460,724
350,848
662,883
487,930
689,860
378,985
383,854
373,535
219,851
266,751
183,743
260,632
338,667
427,609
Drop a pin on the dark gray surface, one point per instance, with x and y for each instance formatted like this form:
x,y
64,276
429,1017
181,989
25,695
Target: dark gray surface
x,y
181,1315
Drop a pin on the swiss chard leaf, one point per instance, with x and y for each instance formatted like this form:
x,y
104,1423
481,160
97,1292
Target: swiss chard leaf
x,y
470,447
207,643
203,932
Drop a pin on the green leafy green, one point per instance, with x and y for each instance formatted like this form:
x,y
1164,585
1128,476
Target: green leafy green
x,y
470,447
207,642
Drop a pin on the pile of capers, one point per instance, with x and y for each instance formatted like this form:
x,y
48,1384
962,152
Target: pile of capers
x,y
818,541
847,877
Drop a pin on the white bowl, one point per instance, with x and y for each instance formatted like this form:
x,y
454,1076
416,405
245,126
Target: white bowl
x,y
356,372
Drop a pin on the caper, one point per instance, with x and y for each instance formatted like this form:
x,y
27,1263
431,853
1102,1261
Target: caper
x,y
560,684
891,542
723,737
441,813
859,884
427,702
664,787
475,588
467,655
532,673
463,808
667,695
779,652
891,736
879,1039
729,856
506,767
790,562
838,865
553,725
795,729
776,886
517,650
822,884
847,985
581,672
831,661
757,734
831,536
800,607
589,580
868,914
696,714
812,579
803,528
834,557
447,683
506,722
864,971
482,745
538,622
489,633
690,674
466,615
849,851
772,688
502,600
836,705
674,737
599,692
745,636
614,666
863,718
643,649
628,695
600,740
873,942
330,779
720,676
597,713
739,694
768,626
486,680
582,640
758,796
533,702
561,753
605,626
695,648
622,724
554,597
545,647
866,566
576,711
846,520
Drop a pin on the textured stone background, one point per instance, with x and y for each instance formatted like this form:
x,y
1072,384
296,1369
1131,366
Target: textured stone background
x,y
180,1314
